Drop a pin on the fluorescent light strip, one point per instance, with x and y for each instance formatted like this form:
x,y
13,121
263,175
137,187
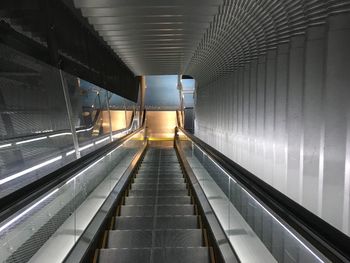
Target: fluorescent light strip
x,y
105,139
26,211
32,140
5,145
86,147
60,134
83,171
89,129
70,152
14,176
290,232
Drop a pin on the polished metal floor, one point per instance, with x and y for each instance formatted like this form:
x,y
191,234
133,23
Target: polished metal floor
x,y
157,221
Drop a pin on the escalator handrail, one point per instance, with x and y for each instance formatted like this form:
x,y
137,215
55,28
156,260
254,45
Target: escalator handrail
x,y
17,200
327,239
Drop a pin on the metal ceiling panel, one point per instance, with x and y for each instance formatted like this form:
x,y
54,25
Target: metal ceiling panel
x,y
203,38
154,36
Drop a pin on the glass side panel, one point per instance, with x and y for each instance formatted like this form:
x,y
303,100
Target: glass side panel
x,y
35,131
255,233
58,218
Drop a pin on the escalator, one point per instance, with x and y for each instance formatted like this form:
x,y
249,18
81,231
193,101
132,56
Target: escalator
x,y
143,200
157,220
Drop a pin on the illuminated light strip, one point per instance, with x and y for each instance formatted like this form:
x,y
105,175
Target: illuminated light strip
x,y
89,129
26,211
60,134
86,147
5,145
70,152
105,139
32,140
290,232
83,171
14,176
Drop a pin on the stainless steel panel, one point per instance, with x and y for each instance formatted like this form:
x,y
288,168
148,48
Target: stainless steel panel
x,y
296,103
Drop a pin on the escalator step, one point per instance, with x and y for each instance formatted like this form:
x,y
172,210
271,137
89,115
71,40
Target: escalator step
x,y
160,180
187,255
161,222
134,200
160,238
131,255
160,255
161,176
159,192
148,210
142,186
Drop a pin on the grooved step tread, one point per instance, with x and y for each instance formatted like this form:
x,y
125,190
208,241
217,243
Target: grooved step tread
x,y
135,200
149,210
154,238
160,180
143,186
161,222
159,192
156,255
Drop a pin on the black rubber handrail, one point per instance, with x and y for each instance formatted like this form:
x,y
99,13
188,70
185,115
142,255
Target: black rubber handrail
x,y
331,242
27,194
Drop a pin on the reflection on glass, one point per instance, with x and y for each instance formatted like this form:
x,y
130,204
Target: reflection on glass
x,y
35,133
255,232
58,218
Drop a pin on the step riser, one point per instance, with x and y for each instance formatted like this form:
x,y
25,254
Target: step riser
x,y
159,192
151,201
160,255
159,187
161,210
156,238
172,222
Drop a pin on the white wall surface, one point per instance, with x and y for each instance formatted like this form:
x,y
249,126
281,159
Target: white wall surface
x,y
286,118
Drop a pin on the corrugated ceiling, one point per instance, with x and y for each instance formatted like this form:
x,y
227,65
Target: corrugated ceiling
x,y
151,36
203,38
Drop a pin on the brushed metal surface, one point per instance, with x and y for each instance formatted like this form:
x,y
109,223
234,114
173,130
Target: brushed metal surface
x,y
285,117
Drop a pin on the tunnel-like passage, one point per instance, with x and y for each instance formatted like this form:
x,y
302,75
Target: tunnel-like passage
x,y
250,96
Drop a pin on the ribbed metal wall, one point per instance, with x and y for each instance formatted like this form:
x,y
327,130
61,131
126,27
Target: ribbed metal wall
x,y
281,109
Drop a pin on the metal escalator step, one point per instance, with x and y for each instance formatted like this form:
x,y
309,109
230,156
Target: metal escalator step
x,y
155,238
130,255
160,172
160,180
183,255
161,222
159,165
160,255
142,186
149,210
134,200
129,239
178,238
159,192
160,175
